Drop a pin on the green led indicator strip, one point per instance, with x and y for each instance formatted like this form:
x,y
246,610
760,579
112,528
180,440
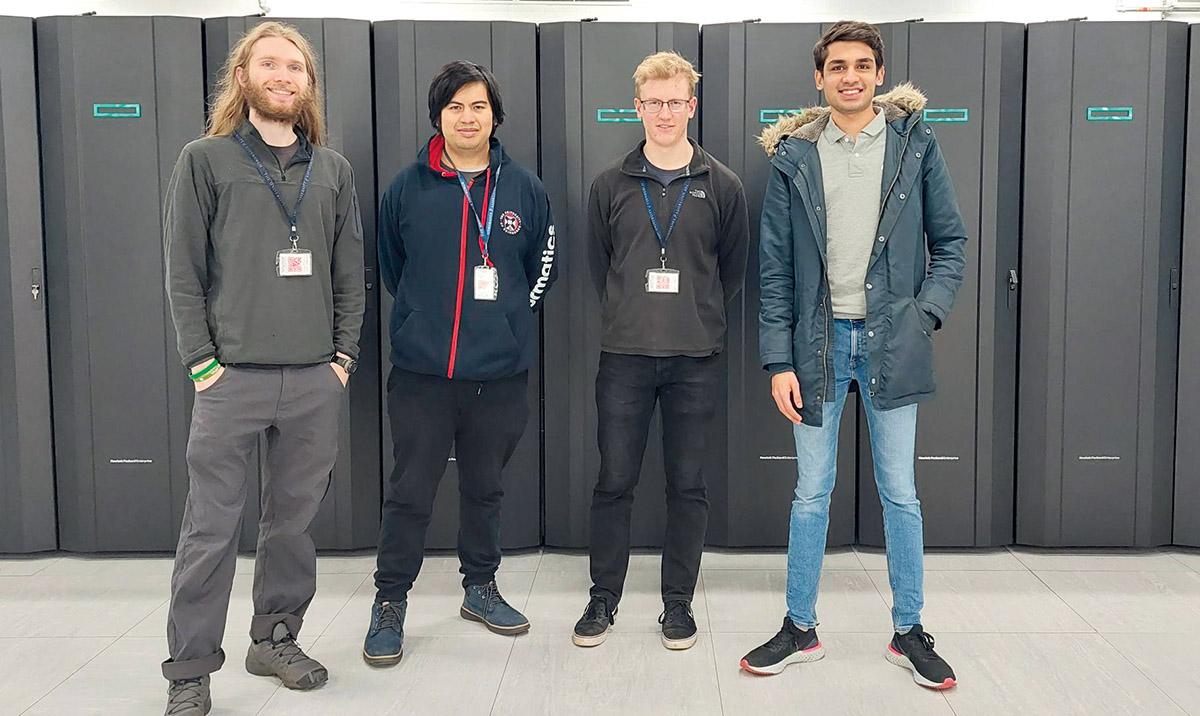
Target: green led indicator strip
x,y
948,115
618,114
1110,114
116,111
771,116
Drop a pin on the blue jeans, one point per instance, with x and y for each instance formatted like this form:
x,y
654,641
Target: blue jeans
x,y
893,446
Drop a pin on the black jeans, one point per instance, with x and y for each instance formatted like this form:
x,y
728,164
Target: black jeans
x,y
483,422
627,387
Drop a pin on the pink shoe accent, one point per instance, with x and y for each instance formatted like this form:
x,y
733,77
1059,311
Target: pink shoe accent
x,y
750,669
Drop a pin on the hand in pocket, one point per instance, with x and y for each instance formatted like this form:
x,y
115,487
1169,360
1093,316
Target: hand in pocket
x,y
210,381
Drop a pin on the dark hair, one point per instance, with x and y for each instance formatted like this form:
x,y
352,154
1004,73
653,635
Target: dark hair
x,y
848,31
453,77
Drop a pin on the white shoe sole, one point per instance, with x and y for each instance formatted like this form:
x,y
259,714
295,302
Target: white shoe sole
x,y
494,628
589,641
903,662
680,644
815,653
381,661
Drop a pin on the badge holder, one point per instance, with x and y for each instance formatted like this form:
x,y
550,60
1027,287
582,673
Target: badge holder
x,y
294,261
662,280
487,283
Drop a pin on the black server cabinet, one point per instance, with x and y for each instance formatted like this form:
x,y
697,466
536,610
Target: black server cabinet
x,y
349,516
966,434
1187,456
588,123
27,518
1099,306
408,55
753,75
121,399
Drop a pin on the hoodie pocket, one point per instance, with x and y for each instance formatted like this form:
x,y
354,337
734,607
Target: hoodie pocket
x,y
422,343
487,347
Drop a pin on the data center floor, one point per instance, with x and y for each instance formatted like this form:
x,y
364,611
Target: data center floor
x,y
1028,632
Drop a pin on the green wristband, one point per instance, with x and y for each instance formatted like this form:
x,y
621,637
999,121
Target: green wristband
x,y
206,371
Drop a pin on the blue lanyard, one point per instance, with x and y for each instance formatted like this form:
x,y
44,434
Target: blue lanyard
x,y
662,240
292,216
485,232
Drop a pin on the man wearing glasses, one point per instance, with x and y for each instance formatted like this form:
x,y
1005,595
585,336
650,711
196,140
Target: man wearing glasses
x,y
668,235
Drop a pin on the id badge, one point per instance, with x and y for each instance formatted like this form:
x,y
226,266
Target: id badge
x,y
293,262
487,283
662,280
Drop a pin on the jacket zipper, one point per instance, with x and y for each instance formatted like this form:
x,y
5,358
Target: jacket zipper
x,y
462,277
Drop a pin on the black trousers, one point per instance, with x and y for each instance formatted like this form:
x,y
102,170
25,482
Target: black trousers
x,y
627,387
483,423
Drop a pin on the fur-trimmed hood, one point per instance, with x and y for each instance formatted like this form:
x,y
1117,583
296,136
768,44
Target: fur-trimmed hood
x,y
903,100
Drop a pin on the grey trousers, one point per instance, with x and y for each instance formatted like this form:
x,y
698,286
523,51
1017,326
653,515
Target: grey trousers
x,y
298,409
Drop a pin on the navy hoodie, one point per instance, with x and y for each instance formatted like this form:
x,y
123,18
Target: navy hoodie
x,y
429,247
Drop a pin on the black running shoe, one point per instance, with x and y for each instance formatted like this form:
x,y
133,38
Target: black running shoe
x,y
792,645
914,651
595,624
678,625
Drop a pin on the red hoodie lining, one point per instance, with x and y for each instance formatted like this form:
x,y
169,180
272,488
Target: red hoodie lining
x,y
436,149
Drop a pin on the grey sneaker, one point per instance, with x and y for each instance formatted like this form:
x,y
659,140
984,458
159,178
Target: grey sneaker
x,y
188,697
281,656
483,603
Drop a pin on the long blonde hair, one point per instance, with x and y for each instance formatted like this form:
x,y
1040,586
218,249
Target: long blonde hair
x,y
230,109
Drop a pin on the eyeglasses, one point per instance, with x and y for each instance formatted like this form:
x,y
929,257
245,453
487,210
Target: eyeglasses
x,y
654,106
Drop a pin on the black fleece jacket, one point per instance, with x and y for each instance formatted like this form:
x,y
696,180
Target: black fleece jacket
x,y
708,247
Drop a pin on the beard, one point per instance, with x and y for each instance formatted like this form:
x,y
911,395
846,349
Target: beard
x,y
260,99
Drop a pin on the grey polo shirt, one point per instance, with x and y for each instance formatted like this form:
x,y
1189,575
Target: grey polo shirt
x,y
852,171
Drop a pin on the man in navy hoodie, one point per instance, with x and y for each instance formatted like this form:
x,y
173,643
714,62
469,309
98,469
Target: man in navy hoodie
x,y
467,248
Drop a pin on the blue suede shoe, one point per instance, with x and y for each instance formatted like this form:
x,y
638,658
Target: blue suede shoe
x,y
384,644
484,604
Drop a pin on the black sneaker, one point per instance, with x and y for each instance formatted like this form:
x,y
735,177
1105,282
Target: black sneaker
x,y
914,651
595,624
678,625
792,645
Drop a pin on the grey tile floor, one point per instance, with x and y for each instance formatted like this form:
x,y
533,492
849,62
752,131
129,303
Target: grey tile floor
x,y
1028,631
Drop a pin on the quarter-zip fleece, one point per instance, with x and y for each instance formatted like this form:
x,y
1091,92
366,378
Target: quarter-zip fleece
x,y
222,230
708,247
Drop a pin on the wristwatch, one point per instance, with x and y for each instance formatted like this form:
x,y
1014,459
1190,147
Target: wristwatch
x,y
348,364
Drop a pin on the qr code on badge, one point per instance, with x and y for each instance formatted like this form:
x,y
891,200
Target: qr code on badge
x,y
295,264
661,282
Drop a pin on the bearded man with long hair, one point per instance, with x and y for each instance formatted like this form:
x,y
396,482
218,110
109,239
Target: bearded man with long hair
x,y
264,271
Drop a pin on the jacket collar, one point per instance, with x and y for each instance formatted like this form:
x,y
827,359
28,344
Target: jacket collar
x,y
634,164
431,156
902,107
249,132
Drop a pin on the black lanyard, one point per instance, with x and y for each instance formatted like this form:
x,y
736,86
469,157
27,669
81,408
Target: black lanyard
x,y
293,216
662,239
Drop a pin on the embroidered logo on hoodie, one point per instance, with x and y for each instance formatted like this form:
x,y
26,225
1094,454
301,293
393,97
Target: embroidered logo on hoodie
x,y
510,222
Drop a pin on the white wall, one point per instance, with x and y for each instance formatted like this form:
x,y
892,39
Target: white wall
x,y
698,11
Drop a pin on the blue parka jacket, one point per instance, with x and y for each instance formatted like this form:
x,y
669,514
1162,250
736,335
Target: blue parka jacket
x,y
915,269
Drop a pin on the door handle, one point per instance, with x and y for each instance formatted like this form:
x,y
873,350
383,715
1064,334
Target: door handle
x,y
35,283
1173,289
1012,286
